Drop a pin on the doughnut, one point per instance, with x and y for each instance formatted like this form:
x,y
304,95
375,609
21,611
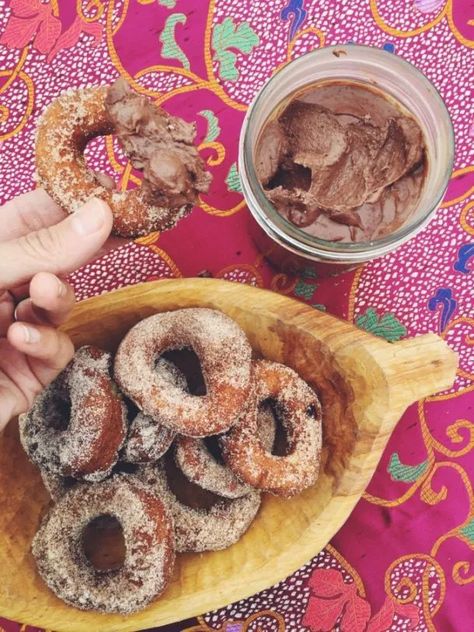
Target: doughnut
x,y
225,357
299,411
204,466
158,144
77,425
148,439
206,522
201,460
58,547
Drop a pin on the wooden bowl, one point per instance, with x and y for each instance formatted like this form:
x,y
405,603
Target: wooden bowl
x,y
365,385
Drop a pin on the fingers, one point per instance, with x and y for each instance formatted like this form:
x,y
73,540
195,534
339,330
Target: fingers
x,y
48,349
6,311
50,301
58,249
32,355
28,213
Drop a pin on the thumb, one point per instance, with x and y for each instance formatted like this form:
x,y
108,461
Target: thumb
x,y
59,249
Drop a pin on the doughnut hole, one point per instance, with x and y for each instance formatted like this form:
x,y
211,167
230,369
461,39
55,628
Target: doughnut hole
x,y
212,444
103,543
186,492
132,409
282,444
59,410
123,467
188,363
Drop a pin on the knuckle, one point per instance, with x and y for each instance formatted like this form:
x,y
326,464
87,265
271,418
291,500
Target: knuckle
x,y
29,219
44,244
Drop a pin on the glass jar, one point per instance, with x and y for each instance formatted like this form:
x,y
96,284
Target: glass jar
x,y
291,248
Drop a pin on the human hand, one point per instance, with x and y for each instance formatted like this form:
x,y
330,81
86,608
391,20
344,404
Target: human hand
x,y
38,245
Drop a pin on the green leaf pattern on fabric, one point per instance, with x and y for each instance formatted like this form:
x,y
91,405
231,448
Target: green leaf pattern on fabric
x,y
405,473
213,129
468,531
170,49
227,35
233,179
169,4
386,326
304,290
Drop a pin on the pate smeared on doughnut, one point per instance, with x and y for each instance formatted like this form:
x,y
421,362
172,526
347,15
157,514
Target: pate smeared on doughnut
x,y
160,145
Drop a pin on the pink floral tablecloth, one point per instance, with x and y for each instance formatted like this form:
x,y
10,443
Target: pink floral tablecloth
x,y
404,560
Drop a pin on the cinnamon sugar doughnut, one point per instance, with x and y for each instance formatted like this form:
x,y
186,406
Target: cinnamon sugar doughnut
x,y
148,439
299,410
77,425
148,534
201,460
217,525
158,144
225,357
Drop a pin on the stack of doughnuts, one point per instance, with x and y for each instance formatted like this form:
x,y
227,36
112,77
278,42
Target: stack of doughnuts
x,y
178,456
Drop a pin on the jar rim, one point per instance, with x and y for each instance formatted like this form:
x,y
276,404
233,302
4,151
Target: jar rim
x,y
296,239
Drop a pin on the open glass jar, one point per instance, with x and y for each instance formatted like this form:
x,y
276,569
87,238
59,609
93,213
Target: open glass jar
x,y
293,249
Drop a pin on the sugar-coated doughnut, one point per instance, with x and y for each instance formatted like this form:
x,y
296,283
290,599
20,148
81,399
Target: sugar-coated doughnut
x,y
148,439
149,547
299,410
77,425
225,357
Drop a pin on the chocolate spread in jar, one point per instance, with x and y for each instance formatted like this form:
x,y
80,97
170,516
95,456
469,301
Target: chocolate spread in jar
x,y
342,162
158,144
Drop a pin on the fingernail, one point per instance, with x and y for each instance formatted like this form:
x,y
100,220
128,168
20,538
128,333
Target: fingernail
x,y
89,218
30,334
61,288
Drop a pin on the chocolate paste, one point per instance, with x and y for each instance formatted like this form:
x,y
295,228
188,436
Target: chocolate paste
x,y
342,162
158,144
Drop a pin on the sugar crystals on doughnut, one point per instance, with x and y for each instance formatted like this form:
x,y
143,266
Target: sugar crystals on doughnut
x,y
200,466
224,353
57,485
77,425
149,547
147,441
